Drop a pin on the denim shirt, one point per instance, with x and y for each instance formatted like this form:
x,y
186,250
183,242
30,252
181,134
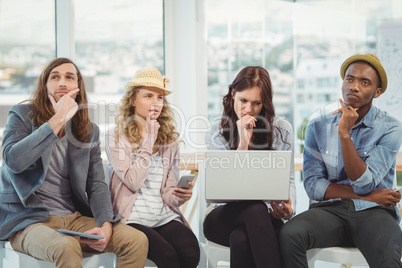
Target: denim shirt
x,y
377,138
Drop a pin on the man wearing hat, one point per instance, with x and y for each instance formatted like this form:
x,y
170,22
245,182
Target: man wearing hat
x,y
349,169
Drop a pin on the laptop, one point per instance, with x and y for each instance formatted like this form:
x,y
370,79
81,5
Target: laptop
x,y
246,175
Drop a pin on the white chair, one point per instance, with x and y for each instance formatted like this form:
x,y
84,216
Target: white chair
x,y
216,253
150,263
343,255
210,251
14,259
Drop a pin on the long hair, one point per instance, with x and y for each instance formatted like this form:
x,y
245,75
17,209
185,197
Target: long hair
x,y
81,126
127,125
262,139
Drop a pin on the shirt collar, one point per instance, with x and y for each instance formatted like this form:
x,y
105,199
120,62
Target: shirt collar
x,y
367,120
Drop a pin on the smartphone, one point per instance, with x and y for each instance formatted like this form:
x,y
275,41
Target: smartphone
x,y
183,181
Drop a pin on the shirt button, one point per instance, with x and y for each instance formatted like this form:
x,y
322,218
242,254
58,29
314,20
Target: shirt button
x,y
326,152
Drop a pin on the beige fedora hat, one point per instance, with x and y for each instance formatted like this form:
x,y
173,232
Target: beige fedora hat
x,y
149,77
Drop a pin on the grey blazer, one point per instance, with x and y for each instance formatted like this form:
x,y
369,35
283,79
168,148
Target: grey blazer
x,y
27,150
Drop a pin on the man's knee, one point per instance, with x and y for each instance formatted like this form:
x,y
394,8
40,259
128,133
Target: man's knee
x,y
391,259
384,259
136,241
387,253
131,240
67,243
66,252
291,235
285,235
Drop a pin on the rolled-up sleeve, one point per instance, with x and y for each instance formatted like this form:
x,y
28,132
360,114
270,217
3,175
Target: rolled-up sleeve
x,y
314,170
379,161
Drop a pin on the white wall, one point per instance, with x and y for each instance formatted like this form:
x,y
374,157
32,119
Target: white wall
x,y
186,67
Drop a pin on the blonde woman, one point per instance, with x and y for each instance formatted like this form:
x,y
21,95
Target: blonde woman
x,y
143,154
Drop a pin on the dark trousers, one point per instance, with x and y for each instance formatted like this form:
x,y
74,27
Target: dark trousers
x,y
374,231
172,245
250,232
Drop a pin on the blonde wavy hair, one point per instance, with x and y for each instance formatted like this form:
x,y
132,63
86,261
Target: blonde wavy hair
x,y
127,125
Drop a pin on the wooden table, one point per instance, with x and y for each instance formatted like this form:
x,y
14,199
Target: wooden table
x,y
399,162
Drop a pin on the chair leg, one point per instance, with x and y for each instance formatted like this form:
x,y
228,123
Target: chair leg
x,y
203,256
311,263
212,259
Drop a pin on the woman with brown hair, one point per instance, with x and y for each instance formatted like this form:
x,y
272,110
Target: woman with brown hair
x,y
249,123
144,156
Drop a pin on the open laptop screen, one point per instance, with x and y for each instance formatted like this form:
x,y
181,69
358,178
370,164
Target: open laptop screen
x,y
246,175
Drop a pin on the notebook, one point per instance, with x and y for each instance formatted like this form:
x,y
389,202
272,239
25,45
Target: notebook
x,y
246,175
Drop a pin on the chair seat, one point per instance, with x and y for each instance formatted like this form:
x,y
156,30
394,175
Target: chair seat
x,y
150,263
342,255
216,253
14,259
9,258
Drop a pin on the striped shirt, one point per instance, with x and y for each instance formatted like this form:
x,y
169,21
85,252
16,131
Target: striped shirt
x,y
149,209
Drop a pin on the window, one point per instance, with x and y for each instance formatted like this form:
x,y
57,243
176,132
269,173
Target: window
x,y
300,83
300,98
27,44
242,33
323,82
297,40
323,99
114,39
